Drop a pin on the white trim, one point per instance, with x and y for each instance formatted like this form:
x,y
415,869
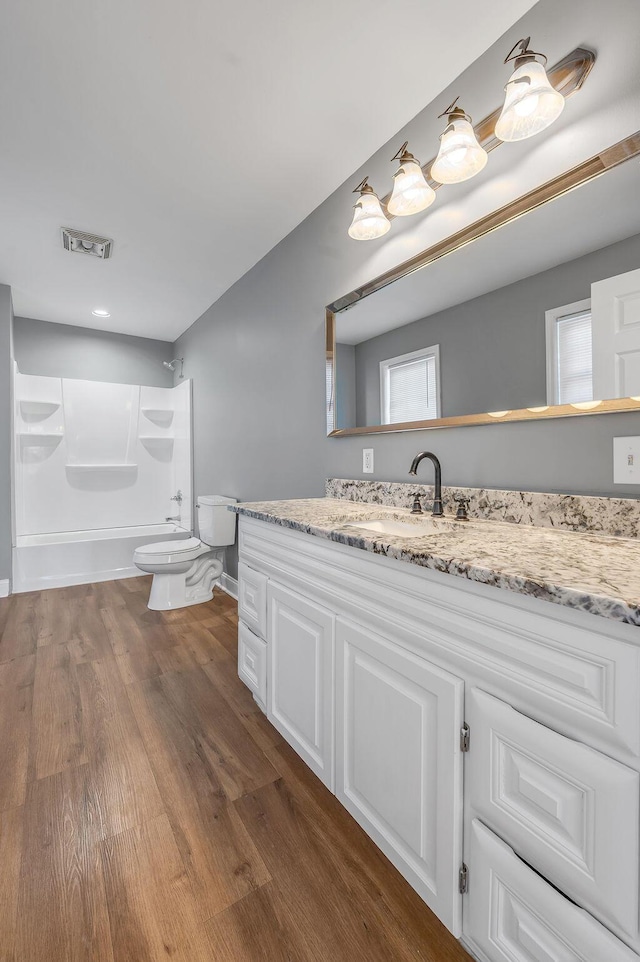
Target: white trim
x,y
551,346
4,588
67,581
426,352
229,585
472,949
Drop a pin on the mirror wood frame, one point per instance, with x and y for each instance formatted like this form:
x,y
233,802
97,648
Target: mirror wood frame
x,y
597,165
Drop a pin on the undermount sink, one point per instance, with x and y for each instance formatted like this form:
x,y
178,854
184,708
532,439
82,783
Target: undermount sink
x,y
404,529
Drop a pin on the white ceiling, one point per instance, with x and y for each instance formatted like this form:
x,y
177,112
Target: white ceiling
x,y
197,135
593,216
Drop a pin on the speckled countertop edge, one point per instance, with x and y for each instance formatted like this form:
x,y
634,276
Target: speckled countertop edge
x,y
599,576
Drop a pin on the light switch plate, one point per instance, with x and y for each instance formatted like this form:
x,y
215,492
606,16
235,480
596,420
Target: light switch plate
x,y
367,460
626,460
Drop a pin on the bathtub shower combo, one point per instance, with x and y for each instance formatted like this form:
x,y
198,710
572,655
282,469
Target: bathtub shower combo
x,y
98,467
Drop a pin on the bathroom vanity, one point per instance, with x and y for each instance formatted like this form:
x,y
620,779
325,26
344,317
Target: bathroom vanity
x,y
471,694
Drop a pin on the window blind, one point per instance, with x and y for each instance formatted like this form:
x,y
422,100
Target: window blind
x,y
574,358
329,396
410,390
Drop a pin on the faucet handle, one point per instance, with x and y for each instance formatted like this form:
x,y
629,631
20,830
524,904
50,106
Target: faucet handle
x,y
417,507
463,503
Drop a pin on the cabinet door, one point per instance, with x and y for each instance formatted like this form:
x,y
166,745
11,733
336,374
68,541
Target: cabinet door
x,y
398,761
512,915
300,677
569,811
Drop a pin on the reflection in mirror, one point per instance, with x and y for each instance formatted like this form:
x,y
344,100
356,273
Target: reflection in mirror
x,y
543,311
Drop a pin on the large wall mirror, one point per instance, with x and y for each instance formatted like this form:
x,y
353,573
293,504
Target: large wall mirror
x,y
539,318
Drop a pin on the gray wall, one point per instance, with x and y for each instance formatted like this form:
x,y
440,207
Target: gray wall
x,y
5,431
257,356
492,348
63,350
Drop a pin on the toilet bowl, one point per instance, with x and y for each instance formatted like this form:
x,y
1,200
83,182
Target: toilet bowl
x,y
185,572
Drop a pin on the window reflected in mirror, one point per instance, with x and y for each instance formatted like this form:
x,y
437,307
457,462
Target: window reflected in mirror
x,y
410,387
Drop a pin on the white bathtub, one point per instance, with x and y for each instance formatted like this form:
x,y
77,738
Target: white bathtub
x,y
80,557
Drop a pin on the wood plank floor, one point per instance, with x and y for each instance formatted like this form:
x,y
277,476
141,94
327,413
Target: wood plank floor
x,y
149,811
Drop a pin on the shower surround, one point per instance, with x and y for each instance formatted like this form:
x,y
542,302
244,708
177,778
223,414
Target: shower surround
x,y
96,466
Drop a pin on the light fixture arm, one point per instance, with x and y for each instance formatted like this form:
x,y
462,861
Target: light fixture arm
x,y
454,111
524,53
364,187
404,156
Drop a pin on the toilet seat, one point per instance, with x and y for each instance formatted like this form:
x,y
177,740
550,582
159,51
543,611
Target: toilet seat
x,y
166,552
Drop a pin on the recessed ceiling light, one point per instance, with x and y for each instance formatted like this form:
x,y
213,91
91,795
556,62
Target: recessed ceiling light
x,y
99,312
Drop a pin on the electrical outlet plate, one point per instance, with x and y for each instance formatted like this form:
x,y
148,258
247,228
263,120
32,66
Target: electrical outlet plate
x,y
626,460
367,460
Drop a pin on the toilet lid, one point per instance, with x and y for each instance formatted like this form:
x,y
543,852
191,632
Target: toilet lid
x,y
170,547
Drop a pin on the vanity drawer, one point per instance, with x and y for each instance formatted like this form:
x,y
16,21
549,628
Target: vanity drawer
x,y
252,663
568,810
252,599
512,915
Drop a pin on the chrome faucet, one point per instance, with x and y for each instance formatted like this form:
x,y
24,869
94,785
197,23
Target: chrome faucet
x,y
437,498
177,497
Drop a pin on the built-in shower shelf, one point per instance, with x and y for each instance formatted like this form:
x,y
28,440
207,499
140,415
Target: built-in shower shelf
x,y
159,415
157,439
38,409
38,437
102,467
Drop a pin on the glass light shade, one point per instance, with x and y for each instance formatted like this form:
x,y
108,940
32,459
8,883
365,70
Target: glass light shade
x,y
531,104
369,220
460,156
411,192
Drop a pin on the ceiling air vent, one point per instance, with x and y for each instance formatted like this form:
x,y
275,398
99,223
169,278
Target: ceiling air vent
x,y
79,242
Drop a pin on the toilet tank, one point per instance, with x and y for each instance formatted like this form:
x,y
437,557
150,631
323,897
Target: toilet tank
x,y
216,524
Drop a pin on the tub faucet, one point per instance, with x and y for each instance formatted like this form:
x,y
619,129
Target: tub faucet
x,y
437,498
175,517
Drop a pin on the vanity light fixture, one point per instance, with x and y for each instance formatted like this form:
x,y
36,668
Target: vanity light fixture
x,y
460,156
411,192
369,220
100,312
531,104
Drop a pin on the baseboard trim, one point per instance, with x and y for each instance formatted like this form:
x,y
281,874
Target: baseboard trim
x,y
4,588
229,585
472,949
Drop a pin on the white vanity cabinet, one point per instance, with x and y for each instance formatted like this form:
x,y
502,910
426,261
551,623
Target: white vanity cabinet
x,y
489,743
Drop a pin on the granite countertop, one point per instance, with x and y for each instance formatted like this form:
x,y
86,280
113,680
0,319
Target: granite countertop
x,y
595,573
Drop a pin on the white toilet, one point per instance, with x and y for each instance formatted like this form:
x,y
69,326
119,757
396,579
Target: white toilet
x,y
184,572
